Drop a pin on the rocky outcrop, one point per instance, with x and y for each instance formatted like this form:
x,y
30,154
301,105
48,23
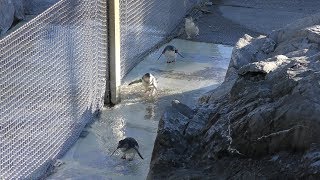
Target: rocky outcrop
x,y
9,11
13,11
262,122
34,7
19,10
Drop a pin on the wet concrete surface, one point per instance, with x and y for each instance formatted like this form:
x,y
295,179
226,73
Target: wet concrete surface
x,y
202,69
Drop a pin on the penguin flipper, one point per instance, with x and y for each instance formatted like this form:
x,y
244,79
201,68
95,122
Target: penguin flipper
x,y
136,81
138,152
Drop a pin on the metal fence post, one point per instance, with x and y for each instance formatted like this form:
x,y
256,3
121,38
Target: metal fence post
x,y
114,50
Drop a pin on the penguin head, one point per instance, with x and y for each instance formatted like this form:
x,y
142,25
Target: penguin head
x,y
146,77
169,48
122,144
188,18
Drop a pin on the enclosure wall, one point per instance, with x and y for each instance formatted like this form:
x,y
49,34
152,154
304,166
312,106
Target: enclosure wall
x,y
53,73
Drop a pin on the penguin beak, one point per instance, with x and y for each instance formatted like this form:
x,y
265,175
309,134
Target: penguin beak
x,y
116,149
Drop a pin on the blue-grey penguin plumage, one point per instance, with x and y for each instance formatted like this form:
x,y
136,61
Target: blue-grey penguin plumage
x,y
128,146
171,53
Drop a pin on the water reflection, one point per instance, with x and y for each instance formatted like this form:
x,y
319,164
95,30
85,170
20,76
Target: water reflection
x,y
149,112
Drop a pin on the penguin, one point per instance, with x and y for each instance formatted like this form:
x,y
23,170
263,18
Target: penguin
x,y
171,53
190,27
128,146
149,82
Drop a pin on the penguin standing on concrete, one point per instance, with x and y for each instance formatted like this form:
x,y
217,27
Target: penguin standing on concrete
x,y
170,53
149,82
129,146
190,27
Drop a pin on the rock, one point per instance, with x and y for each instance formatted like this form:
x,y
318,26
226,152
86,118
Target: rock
x,y
212,96
198,121
34,7
311,160
262,67
19,12
282,114
291,30
7,12
249,50
268,46
10,10
183,109
268,106
16,10
169,144
241,55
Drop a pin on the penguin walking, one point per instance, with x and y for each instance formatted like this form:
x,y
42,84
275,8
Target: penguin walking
x,y
149,82
170,53
129,146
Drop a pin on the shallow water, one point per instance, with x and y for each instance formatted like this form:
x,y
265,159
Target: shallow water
x,y
202,69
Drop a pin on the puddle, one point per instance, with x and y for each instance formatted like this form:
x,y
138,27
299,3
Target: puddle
x,y
203,68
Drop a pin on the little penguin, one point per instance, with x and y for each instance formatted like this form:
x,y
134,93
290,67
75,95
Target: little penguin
x,y
149,82
171,53
190,27
129,146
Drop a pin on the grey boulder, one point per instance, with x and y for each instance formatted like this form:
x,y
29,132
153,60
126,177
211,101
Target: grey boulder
x,y
263,122
7,12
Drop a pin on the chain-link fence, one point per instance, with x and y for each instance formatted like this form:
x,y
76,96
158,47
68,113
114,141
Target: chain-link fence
x,y
52,79
146,23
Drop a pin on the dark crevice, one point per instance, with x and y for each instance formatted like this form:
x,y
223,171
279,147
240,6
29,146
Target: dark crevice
x,y
254,76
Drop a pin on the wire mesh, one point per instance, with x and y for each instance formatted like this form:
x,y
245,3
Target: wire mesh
x,y
145,23
52,79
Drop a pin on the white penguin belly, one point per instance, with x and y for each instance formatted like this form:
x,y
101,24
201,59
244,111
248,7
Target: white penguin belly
x,y
130,151
170,55
191,29
146,85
